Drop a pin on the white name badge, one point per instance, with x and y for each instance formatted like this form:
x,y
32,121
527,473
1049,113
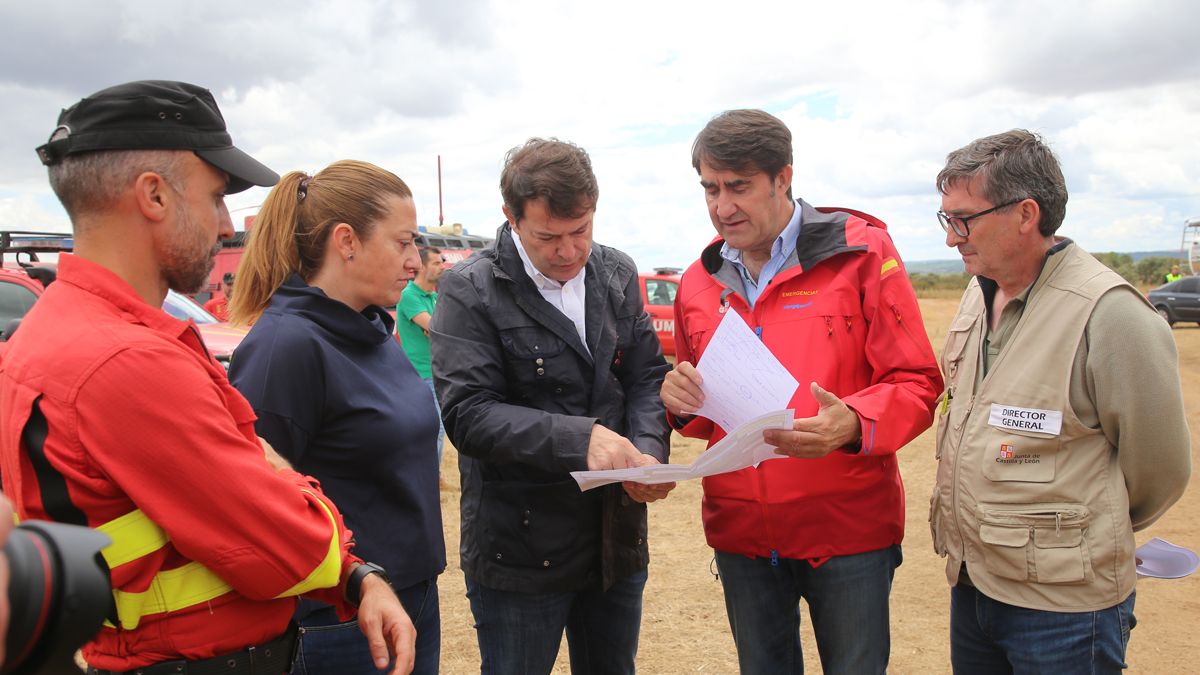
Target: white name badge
x,y
1025,419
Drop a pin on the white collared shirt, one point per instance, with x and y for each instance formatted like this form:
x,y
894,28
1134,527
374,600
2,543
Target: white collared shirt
x,y
568,298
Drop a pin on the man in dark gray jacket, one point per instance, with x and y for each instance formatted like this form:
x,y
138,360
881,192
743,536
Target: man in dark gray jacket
x,y
545,362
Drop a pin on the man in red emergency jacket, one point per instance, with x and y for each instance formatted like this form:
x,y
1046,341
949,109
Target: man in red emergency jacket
x,y
115,416
826,292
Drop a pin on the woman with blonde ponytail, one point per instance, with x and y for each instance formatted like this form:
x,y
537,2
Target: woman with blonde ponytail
x,y
334,393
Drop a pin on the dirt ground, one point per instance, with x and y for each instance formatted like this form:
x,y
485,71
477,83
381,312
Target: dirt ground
x,y
683,622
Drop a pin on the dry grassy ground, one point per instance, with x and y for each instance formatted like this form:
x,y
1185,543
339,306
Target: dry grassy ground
x,y
683,623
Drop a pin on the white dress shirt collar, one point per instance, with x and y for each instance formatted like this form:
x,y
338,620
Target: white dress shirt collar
x,y
568,298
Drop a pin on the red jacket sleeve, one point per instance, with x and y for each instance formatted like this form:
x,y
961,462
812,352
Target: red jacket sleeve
x,y
899,402
181,446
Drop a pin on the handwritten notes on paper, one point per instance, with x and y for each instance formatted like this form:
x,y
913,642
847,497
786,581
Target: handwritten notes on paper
x,y
742,378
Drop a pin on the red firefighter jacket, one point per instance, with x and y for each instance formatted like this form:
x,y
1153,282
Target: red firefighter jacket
x,y
843,314
145,439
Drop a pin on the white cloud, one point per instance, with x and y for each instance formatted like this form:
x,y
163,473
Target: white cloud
x,y
876,94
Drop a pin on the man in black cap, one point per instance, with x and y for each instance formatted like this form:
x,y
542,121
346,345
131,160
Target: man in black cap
x,y
116,417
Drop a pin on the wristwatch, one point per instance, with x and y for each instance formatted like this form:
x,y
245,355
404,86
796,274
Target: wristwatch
x,y
354,583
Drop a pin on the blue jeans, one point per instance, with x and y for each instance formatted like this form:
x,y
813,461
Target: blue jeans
x,y
988,636
519,633
333,647
441,427
847,599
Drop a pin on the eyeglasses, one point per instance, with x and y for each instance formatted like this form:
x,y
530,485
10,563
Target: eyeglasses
x,y
959,223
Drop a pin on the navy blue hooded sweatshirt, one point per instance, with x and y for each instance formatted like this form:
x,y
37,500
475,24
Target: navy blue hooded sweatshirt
x,y
336,396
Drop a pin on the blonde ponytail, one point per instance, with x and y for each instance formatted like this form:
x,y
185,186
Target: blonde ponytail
x,y
271,254
294,223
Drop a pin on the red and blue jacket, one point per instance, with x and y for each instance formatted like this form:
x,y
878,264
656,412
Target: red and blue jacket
x,y
843,314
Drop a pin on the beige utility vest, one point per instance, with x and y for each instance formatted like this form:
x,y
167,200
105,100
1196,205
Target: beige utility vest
x,y
1031,499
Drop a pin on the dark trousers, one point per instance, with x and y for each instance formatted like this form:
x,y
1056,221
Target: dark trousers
x,y
520,633
329,646
990,637
847,599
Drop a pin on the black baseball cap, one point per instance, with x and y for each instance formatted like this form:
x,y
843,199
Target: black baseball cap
x,y
155,115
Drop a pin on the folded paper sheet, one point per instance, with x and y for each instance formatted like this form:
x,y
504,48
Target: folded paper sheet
x,y
740,449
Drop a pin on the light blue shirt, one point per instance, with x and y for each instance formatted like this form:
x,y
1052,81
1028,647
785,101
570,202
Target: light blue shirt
x,y
783,246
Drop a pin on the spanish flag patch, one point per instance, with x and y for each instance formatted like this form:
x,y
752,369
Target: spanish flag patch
x,y
889,266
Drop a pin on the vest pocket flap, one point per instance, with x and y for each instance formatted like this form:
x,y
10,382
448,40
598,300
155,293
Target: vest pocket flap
x,y
956,337
1003,536
1057,538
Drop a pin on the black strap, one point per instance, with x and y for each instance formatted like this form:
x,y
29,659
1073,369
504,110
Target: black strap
x,y
55,498
272,658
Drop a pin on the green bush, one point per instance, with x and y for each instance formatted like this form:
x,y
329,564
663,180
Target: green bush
x,y
1152,271
1149,271
923,282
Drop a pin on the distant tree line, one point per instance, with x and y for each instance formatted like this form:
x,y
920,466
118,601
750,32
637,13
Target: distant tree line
x,y
924,282
1149,271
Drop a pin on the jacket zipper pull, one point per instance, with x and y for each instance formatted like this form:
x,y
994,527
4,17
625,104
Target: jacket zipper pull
x,y
1058,523
774,558
896,311
829,325
758,332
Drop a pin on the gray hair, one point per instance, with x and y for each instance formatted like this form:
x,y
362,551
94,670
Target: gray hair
x,y
1013,165
91,181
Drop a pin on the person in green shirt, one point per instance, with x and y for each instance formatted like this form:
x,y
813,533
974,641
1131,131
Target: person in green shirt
x,y
412,322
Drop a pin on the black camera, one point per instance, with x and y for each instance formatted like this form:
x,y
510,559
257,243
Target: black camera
x,y
59,594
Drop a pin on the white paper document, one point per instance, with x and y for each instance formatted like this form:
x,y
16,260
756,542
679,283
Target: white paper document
x,y
743,448
742,378
1163,560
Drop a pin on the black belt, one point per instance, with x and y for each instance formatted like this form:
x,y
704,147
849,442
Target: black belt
x,y
270,658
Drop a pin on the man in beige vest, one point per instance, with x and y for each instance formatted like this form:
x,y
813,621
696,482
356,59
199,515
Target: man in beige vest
x,y
1061,430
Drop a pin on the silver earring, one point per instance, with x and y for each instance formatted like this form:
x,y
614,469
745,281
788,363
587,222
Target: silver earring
x,y
350,257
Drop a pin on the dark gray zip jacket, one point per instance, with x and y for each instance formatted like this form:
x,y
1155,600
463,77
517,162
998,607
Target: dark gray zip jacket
x,y
519,396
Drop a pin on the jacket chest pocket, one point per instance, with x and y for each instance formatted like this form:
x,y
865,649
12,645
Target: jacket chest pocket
x,y
533,354
953,354
531,342
1043,543
956,345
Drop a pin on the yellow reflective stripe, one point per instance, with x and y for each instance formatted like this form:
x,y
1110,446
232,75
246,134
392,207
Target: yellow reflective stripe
x,y
329,572
133,536
170,591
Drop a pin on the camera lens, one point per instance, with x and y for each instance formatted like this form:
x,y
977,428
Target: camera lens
x,y
59,595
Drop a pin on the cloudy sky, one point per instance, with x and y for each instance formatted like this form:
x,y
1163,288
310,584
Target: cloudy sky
x,y
875,94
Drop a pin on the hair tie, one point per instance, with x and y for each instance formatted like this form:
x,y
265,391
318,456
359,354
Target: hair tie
x,y
302,191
